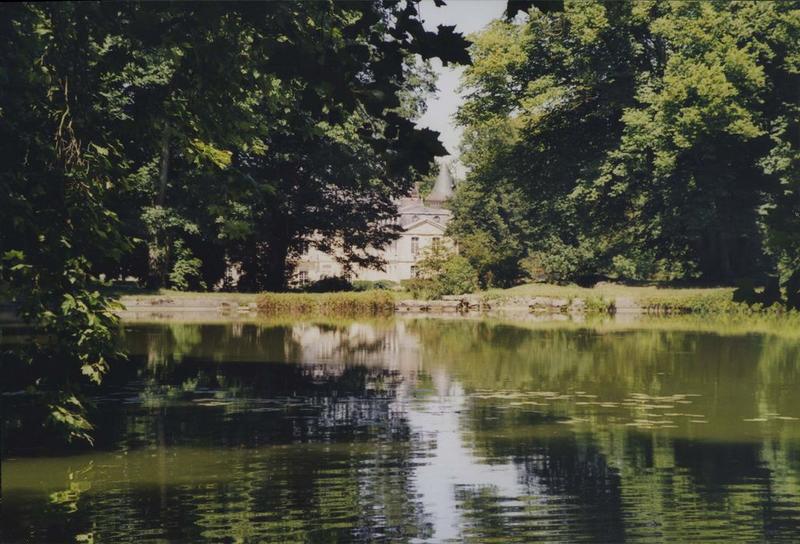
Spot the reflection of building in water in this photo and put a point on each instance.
(423, 222)
(388, 346)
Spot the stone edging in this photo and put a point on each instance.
(544, 305)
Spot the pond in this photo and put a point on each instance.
(418, 430)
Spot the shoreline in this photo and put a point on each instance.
(523, 300)
(780, 325)
(223, 304)
(529, 299)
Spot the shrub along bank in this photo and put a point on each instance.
(375, 302)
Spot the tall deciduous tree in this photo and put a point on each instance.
(312, 133)
(60, 160)
(166, 140)
(655, 138)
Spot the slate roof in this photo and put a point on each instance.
(422, 209)
(415, 212)
(443, 188)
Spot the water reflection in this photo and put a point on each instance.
(428, 430)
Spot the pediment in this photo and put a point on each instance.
(420, 225)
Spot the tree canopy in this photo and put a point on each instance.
(635, 139)
(173, 142)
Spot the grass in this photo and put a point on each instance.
(375, 302)
(650, 298)
(207, 295)
(609, 290)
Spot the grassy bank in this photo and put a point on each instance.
(347, 303)
(652, 299)
(604, 298)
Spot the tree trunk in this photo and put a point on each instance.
(158, 258)
(163, 174)
(793, 291)
(713, 256)
(724, 257)
(158, 253)
(275, 277)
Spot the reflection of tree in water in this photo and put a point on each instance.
(614, 483)
(734, 376)
(247, 450)
(702, 490)
(497, 357)
(169, 343)
(569, 492)
(221, 439)
(720, 479)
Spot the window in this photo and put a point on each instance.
(435, 243)
(436, 218)
(413, 271)
(302, 277)
(414, 245)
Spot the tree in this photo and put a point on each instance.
(693, 160)
(330, 178)
(490, 229)
(60, 162)
(644, 136)
(442, 271)
(322, 144)
(166, 140)
(544, 105)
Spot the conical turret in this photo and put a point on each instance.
(443, 188)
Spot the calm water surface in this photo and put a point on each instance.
(428, 430)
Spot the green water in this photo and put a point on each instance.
(429, 430)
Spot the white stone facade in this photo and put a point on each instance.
(424, 222)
